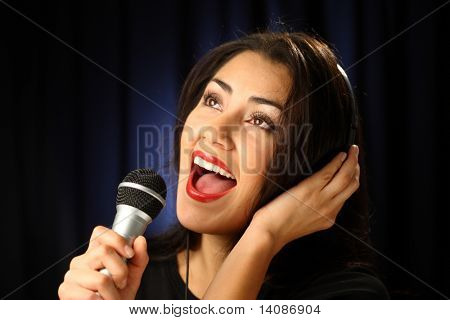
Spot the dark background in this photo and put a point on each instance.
(71, 130)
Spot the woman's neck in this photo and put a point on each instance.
(206, 255)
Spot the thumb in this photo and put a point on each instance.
(137, 264)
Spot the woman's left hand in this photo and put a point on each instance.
(313, 204)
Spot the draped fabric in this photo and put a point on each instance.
(86, 88)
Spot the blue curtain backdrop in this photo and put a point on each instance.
(80, 109)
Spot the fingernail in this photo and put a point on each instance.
(343, 156)
(129, 251)
(357, 150)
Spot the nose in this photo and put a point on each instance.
(217, 134)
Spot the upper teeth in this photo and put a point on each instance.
(212, 167)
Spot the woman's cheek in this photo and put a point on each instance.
(256, 152)
(187, 143)
(193, 128)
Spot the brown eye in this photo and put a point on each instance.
(259, 122)
(262, 120)
(212, 101)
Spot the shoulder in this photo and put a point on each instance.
(351, 283)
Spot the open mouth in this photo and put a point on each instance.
(209, 178)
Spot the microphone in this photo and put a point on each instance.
(140, 197)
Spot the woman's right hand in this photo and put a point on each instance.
(106, 250)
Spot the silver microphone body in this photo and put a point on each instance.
(129, 223)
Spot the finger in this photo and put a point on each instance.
(94, 281)
(72, 291)
(345, 174)
(106, 257)
(351, 188)
(103, 235)
(97, 232)
(324, 175)
(101, 257)
(138, 263)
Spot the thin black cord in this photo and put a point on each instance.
(187, 267)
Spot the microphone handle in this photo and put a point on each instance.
(129, 223)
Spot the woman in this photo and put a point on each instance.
(266, 204)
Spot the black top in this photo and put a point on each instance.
(161, 281)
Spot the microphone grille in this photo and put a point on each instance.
(140, 199)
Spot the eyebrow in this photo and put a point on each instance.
(259, 100)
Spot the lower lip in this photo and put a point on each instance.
(200, 196)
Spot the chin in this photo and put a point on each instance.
(201, 218)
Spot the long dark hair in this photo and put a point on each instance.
(313, 100)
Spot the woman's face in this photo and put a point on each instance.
(230, 131)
